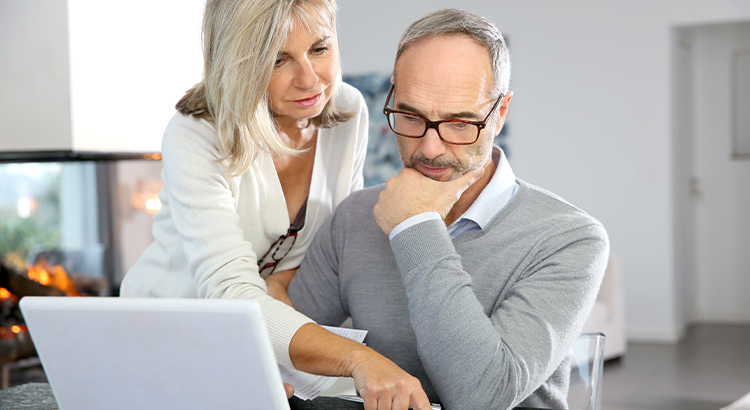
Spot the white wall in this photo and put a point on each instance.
(590, 118)
(130, 63)
(34, 73)
(92, 75)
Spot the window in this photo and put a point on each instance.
(29, 209)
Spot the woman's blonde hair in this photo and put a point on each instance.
(241, 42)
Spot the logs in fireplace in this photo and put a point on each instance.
(16, 346)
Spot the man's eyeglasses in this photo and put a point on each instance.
(278, 250)
(456, 132)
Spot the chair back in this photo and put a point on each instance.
(586, 367)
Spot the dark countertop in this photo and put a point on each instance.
(38, 396)
(31, 396)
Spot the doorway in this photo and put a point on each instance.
(711, 182)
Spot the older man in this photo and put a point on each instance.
(479, 292)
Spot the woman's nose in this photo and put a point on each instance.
(306, 78)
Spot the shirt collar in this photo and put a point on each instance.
(495, 195)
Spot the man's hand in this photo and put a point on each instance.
(383, 385)
(411, 193)
(277, 284)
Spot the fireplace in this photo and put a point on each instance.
(96, 115)
(72, 226)
(17, 351)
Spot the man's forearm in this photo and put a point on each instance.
(447, 317)
(494, 362)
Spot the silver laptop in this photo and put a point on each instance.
(117, 353)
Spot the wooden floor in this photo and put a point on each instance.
(709, 369)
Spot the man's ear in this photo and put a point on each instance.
(503, 111)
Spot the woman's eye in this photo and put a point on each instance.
(278, 62)
(320, 50)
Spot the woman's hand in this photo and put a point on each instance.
(277, 284)
(384, 385)
(381, 383)
(289, 390)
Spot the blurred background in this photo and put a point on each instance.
(635, 111)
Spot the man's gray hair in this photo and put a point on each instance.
(452, 21)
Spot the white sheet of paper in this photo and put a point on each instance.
(357, 335)
(309, 386)
(306, 386)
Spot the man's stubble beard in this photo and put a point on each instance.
(477, 154)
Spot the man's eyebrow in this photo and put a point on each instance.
(461, 114)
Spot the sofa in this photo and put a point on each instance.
(608, 314)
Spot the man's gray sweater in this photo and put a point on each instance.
(483, 320)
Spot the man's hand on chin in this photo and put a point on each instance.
(410, 193)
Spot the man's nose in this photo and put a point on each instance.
(305, 77)
(431, 145)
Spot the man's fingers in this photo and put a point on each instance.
(461, 184)
(406, 170)
(473, 176)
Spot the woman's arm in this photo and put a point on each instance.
(315, 350)
(214, 222)
(278, 283)
(381, 383)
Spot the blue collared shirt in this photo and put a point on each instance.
(498, 192)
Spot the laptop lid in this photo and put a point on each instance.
(122, 353)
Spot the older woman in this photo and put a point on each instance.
(256, 158)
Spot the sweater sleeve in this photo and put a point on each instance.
(480, 361)
(314, 290)
(220, 259)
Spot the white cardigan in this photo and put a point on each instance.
(212, 228)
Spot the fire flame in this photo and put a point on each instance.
(54, 276)
(12, 332)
